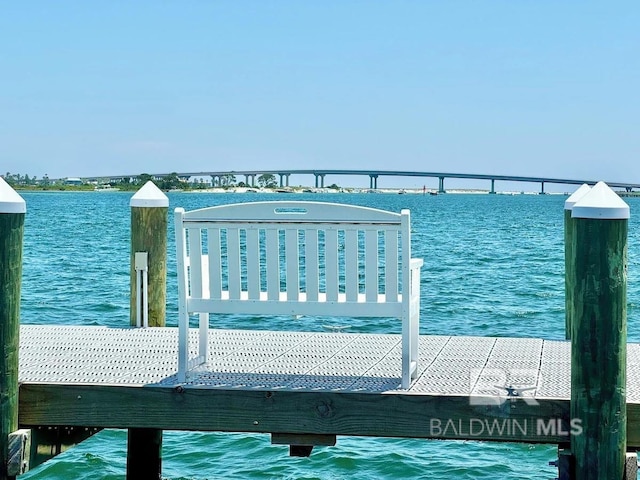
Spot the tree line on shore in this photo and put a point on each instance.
(167, 182)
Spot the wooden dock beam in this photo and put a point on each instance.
(149, 220)
(569, 256)
(12, 213)
(599, 336)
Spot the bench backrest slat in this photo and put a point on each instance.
(351, 264)
(391, 258)
(215, 262)
(292, 264)
(272, 265)
(371, 264)
(312, 266)
(331, 257)
(233, 262)
(253, 264)
(195, 263)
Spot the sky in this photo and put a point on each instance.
(511, 87)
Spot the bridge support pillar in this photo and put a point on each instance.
(322, 181)
(441, 185)
(286, 178)
(316, 179)
(493, 186)
(542, 188)
(281, 175)
(373, 181)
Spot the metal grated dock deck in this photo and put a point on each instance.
(65, 368)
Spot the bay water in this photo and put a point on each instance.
(493, 266)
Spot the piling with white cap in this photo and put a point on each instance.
(569, 257)
(599, 335)
(149, 223)
(12, 213)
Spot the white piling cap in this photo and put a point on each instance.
(10, 201)
(149, 196)
(575, 196)
(601, 203)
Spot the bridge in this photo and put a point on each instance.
(284, 174)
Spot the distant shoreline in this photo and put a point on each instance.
(409, 191)
(300, 190)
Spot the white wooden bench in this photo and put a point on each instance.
(296, 258)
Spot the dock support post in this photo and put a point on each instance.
(564, 463)
(569, 257)
(599, 336)
(144, 454)
(12, 213)
(149, 217)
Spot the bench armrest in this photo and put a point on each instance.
(416, 263)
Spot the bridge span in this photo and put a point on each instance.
(284, 174)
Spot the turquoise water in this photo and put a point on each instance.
(494, 266)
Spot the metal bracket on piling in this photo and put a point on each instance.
(142, 288)
(564, 463)
(301, 445)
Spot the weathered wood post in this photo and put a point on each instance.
(569, 255)
(149, 217)
(599, 336)
(12, 213)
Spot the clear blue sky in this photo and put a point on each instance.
(544, 88)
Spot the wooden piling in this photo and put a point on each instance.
(599, 336)
(569, 255)
(149, 217)
(144, 454)
(12, 213)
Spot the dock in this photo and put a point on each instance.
(304, 383)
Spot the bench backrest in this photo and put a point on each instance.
(300, 258)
